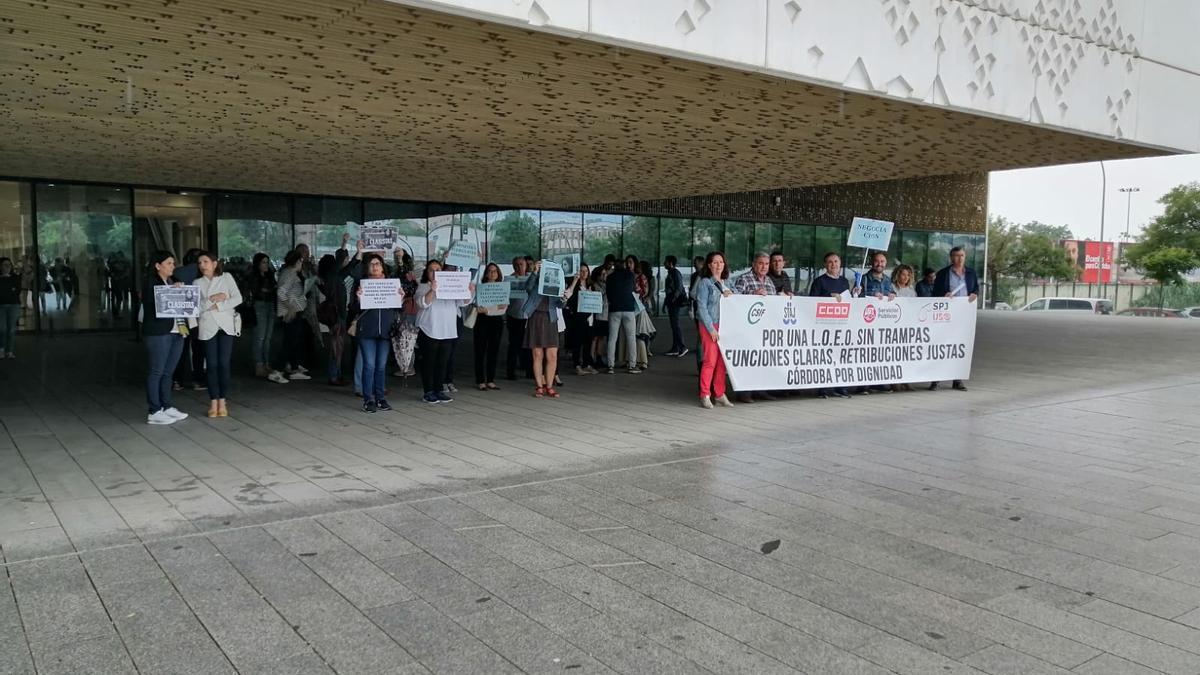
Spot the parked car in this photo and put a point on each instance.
(1193, 312)
(1002, 306)
(1154, 311)
(1093, 305)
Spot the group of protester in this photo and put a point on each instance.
(317, 306)
(767, 276)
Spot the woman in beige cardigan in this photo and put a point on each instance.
(219, 325)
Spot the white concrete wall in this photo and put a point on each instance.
(1123, 69)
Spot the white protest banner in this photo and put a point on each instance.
(176, 302)
(590, 302)
(379, 238)
(463, 254)
(775, 342)
(492, 294)
(453, 285)
(551, 281)
(870, 233)
(380, 294)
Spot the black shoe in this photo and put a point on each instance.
(382, 404)
(959, 385)
(369, 407)
(933, 386)
(822, 395)
(841, 393)
(765, 396)
(745, 398)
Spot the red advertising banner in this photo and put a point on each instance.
(1094, 258)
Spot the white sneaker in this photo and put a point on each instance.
(706, 403)
(451, 388)
(302, 370)
(723, 401)
(175, 413)
(160, 418)
(277, 376)
(298, 376)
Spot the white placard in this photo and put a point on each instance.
(776, 342)
(463, 254)
(380, 294)
(551, 280)
(870, 233)
(453, 285)
(176, 302)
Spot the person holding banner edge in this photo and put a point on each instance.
(709, 291)
(956, 280)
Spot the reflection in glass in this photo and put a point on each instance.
(16, 244)
(798, 241)
(914, 245)
(511, 234)
(248, 224)
(940, 244)
(675, 239)
(707, 235)
(739, 242)
(832, 239)
(768, 237)
(639, 237)
(408, 219)
(562, 238)
(321, 222)
(471, 227)
(601, 236)
(83, 231)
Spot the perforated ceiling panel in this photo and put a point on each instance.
(372, 98)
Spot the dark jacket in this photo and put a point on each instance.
(677, 295)
(619, 288)
(262, 286)
(824, 286)
(372, 323)
(10, 290)
(924, 290)
(151, 324)
(941, 284)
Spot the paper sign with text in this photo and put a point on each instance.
(591, 302)
(869, 233)
(379, 238)
(171, 302)
(380, 294)
(453, 285)
(464, 255)
(551, 282)
(492, 294)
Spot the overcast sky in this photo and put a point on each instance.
(1070, 194)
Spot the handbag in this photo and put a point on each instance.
(469, 319)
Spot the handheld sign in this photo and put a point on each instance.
(492, 294)
(171, 302)
(569, 263)
(590, 302)
(453, 285)
(378, 238)
(551, 282)
(517, 287)
(870, 233)
(380, 294)
(463, 254)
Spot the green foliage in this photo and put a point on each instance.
(1051, 232)
(1177, 296)
(1024, 251)
(1170, 245)
(514, 234)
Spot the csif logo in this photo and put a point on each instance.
(757, 311)
(838, 311)
(789, 314)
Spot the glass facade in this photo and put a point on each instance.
(79, 248)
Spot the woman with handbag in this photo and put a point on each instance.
(219, 325)
(373, 330)
(488, 326)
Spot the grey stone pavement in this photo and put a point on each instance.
(1046, 521)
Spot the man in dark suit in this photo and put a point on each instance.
(956, 280)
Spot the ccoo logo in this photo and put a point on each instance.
(833, 310)
(757, 311)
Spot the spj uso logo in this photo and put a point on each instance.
(935, 312)
(757, 311)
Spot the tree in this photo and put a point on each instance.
(1170, 246)
(514, 234)
(1025, 251)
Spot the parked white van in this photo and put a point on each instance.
(1093, 305)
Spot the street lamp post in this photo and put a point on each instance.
(1128, 206)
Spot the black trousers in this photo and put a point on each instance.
(488, 330)
(435, 356)
(292, 350)
(580, 340)
(516, 349)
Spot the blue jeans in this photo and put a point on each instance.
(358, 369)
(9, 314)
(162, 353)
(218, 352)
(374, 378)
(264, 329)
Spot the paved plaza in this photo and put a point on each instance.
(1046, 521)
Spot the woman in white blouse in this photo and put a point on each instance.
(437, 321)
(219, 325)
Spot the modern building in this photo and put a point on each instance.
(552, 126)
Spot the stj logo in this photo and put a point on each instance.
(789, 314)
(833, 310)
(757, 311)
(869, 313)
